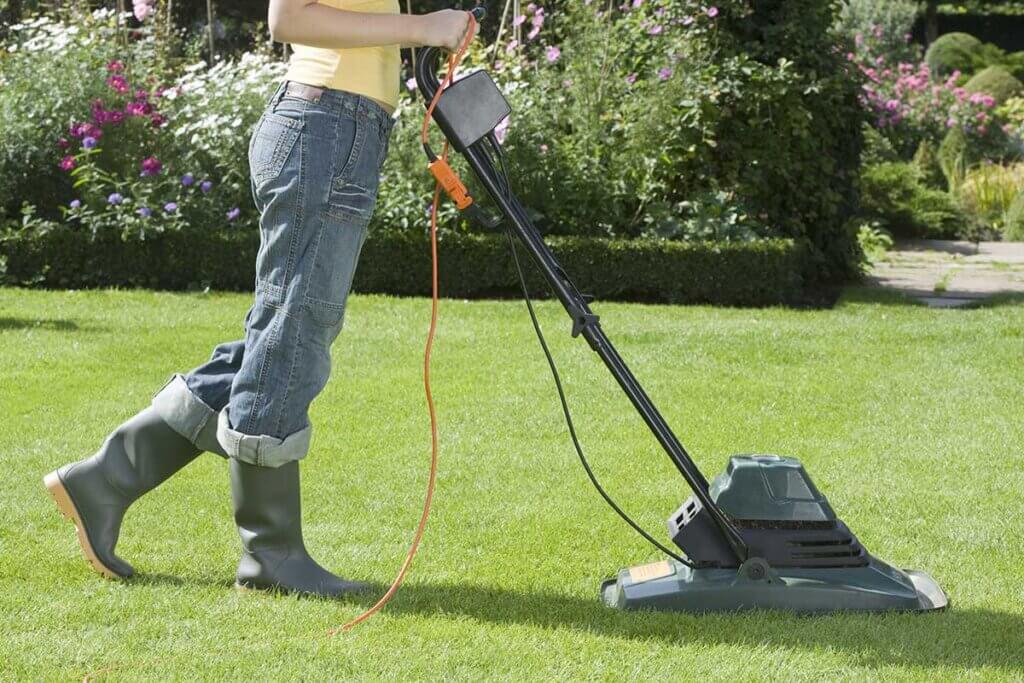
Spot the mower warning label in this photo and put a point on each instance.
(649, 572)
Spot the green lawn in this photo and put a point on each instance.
(909, 419)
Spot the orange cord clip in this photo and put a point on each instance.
(450, 183)
(446, 178)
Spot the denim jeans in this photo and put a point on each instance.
(315, 169)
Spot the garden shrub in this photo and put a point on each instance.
(46, 80)
(1013, 228)
(908, 105)
(955, 52)
(398, 262)
(926, 159)
(893, 195)
(995, 81)
(961, 151)
(877, 147)
(988, 191)
(887, 23)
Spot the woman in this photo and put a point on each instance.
(315, 158)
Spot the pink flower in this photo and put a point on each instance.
(712, 12)
(631, 78)
(533, 33)
(518, 21)
(411, 84)
(982, 130)
(67, 163)
(143, 9)
(687, 21)
(655, 30)
(512, 46)
(158, 120)
(150, 166)
(115, 66)
(63, 143)
(553, 54)
(665, 73)
(502, 130)
(118, 83)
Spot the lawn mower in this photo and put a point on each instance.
(758, 536)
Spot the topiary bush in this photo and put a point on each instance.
(995, 81)
(954, 52)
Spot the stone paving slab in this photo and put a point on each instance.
(948, 274)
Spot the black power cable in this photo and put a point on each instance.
(558, 380)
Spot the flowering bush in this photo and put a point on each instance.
(886, 23)
(142, 157)
(44, 57)
(910, 106)
(119, 181)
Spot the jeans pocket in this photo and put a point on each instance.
(272, 143)
(353, 193)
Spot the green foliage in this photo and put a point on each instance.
(886, 22)
(1013, 228)
(995, 81)
(764, 140)
(893, 195)
(955, 155)
(926, 159)
(47, 79)
(878, 148)
(955, 52)
(398, 262)
(874, 241)
(988, 192)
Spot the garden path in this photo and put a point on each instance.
(948, 274)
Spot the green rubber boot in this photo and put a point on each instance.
(274, 557)
(95, 493)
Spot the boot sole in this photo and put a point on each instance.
(281, 590)
(67, 508)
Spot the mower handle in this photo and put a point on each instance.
(426, 62)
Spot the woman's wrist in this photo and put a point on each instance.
(413, 29)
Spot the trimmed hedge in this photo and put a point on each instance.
(472, 266)
(995, 81)
(954, 52)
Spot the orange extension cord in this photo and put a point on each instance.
(453, 63)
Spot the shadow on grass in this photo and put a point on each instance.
(953, 638)
(880, 296)
(40, 323)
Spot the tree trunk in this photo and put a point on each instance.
(209, 23)
(931, 22)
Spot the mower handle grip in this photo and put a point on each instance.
(426, 62)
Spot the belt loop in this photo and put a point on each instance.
(278, 94)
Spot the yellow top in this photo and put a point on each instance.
(370, 71)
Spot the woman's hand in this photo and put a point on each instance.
(446, 28)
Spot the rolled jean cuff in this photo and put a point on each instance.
(185, 413)
(262, 450)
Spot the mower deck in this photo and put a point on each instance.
(670, 586)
